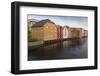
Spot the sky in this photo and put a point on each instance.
(71, 21)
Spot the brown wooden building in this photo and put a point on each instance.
(44, 30)
(73, 33)
(77, 32)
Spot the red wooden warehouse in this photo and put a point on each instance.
(59, 32)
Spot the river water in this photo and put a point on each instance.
(69, 49)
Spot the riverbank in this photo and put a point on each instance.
(49, 41)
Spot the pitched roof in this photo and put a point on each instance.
(66, 26)
(42, 22)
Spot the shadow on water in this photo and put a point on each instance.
(69, 49)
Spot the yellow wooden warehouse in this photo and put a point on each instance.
(44, 30)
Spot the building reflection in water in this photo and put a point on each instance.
(69, 49)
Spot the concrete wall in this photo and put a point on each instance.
(35, 43)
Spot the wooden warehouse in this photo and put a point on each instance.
(82, 32)
(74, 32)
(47, 31)
(85, 33)
(65, 32)
(44, 30)
(77, 32)
(59, 32)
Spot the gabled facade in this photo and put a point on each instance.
(74, 33)
(65, 32)
(44, 30)
(59, 32)
(50, 31)
(82, 32)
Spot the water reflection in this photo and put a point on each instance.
(70, 49)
